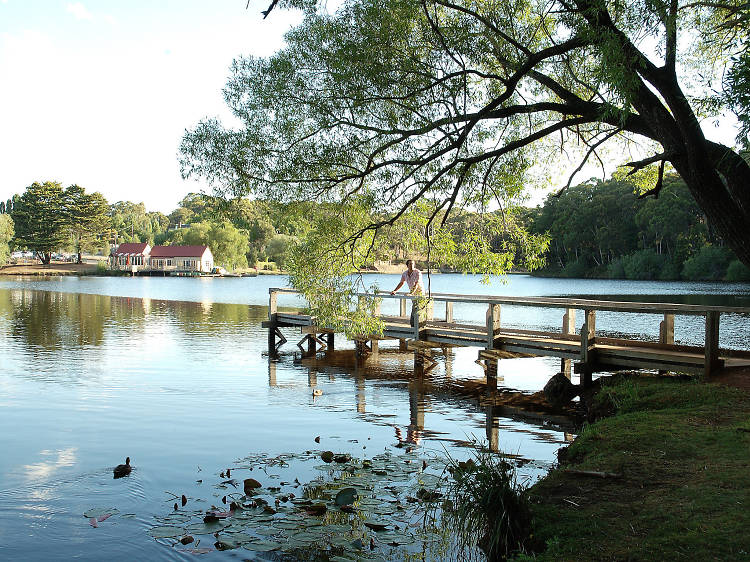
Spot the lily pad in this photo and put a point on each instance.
(346, 496)
(166, 531)
(376, 525)
(97, 512)
(262, 546)
(327, 456)
(206, 528)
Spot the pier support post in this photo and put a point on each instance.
(491, 374)
(711, 361)
(568, 327)
(402, 307)
(330, 337)
(271, 339)
(403, 345)
(311, 348)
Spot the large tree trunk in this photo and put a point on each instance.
(723, 196)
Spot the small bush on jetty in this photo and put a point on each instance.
(486, 505)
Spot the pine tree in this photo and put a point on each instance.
(39, 218)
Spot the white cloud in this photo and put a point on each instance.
(79, 11)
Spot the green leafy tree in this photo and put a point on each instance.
(279, 247)
(87, 217)
(40, 219)
(132, 223)
(453, 100)
(6, 235)
(228, 245)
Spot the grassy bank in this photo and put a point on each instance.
(679, 457)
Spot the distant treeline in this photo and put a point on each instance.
(602, 229)
(597, 229)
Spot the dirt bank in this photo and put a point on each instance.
(51, 269)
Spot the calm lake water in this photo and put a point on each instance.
(172, 372)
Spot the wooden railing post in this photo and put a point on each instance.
(588, 335)
(448, 312)
(402, 307)
(666, 333)
(666, 329)
(415, 313)
(272, 304)
(712, 342)
(568, 327)
(272, 310)
(493, 323)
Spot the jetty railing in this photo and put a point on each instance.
(589, 351)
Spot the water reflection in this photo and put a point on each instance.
(183, 389)
(429, 394)
(47, 468)
(53, 321)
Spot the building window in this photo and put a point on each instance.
(169, 263)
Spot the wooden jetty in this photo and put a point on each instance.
(585, 351)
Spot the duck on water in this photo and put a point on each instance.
(123, 469)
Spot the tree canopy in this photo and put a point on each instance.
(40, 219)
(87, 216)
(450, 102)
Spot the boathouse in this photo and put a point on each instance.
(181, 259)
(140, 257)
(131, 255)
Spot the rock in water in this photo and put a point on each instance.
(250, 485)
(559, 390)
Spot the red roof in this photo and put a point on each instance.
(131, 248)
(178, 251)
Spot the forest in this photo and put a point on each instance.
(594, 229)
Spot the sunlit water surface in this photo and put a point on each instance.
(172, 373)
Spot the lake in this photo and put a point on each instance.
(172, 373)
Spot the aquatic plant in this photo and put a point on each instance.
(487, 506)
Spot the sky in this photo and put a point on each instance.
(99, 92)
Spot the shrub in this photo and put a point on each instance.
(709, 264)
(575, 269)
(738, 271)
(644, 264)
(670, 271)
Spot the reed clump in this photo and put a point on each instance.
(487, 506)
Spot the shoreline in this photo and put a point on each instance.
(660, 469)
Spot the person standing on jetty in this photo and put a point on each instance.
(413, 278)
